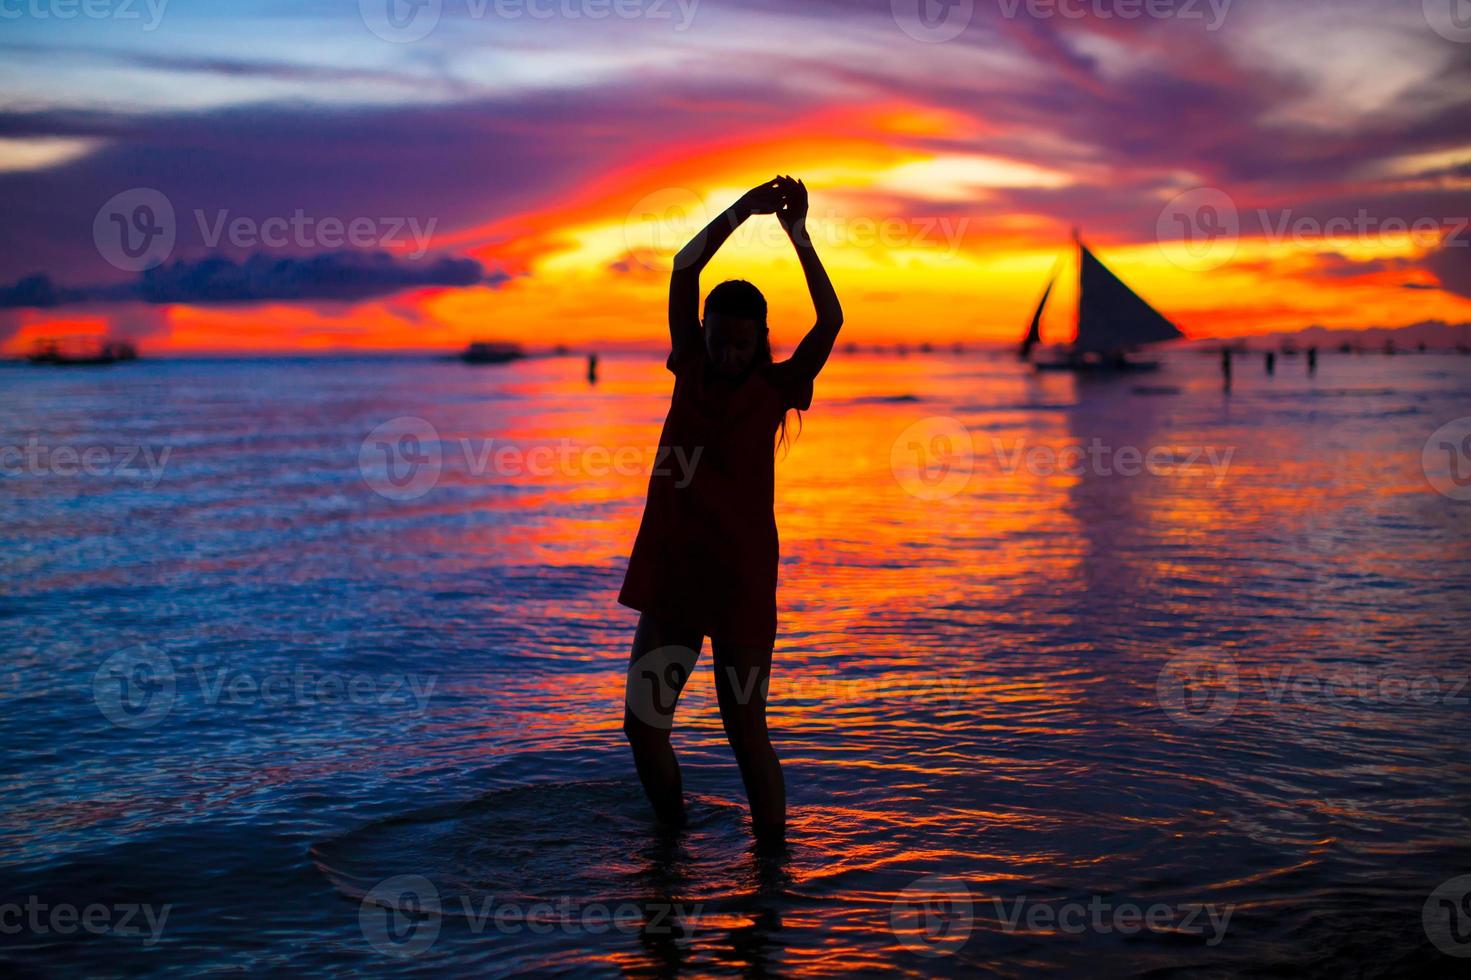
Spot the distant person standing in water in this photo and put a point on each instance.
(705, 559)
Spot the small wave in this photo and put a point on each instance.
(1329, 393)
(591, 841)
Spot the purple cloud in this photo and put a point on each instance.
(1451, 265)
(332, 276)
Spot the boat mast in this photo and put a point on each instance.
(1078, 306)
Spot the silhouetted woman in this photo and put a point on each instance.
(705, 559)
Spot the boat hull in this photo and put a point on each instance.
(491, 352)
(490, 358)
(1098, 367)
(73, 361)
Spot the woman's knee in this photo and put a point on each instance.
(640, 734)
(748, 735)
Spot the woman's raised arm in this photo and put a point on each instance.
(684, 281)
(812, 353)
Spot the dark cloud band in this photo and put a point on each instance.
(345, 276)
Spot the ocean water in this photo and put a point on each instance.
(314, 666)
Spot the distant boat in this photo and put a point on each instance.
(81, 352)
(1112, 321)
(491, 352)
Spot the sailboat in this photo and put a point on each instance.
(1112, 320)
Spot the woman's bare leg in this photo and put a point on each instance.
(742, 674)
(663, 657)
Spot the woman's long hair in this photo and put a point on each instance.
(737, 297)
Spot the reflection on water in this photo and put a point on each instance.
(1046, 646)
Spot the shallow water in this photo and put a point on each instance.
(256, 684)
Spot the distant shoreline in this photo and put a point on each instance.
(1436, 335)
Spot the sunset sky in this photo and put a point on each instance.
(529, 166)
